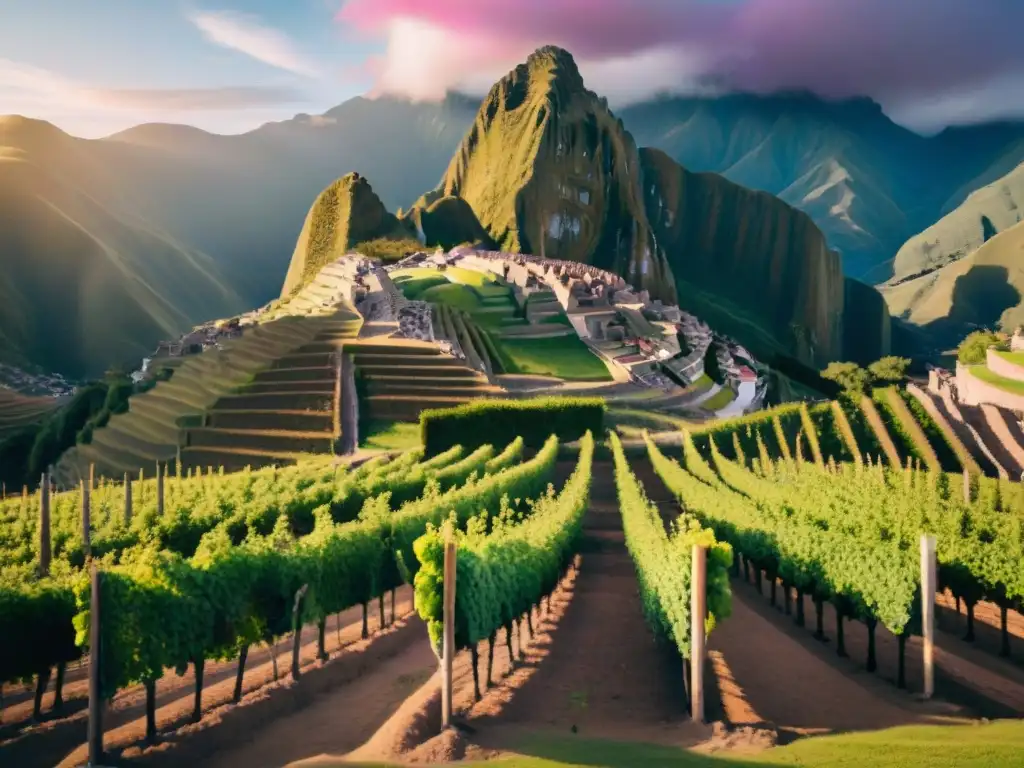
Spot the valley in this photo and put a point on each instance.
(511, 431)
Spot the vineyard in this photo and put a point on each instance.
(207, 572)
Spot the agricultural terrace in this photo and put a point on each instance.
(285, 594)
(483, 307)
(18, 411)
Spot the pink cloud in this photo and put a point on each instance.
(896, 51)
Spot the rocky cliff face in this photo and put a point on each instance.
(346, 213)
(765, 258)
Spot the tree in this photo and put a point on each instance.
(889, 370)
(850, 376)
(974, 349)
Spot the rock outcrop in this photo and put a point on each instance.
(346, 213)
(549, 170)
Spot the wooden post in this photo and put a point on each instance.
(127, 499)
(448, 639)
(297, 629)
(86, 520)
(44, 525)
(967, 486)
(95, 735)
(159, 491)
(337, 394)
(92, 476)
(928, 611)
(698, 611)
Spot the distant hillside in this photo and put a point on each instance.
(84, 281)
(982, 289)
(108, 246)
(982, 215)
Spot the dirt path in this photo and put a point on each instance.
(48, 743)
(767, 675)
(988, 637)
(337, 721)
(599, 668)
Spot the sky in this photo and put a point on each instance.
(228, 66)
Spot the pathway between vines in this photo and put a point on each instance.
(598, 668)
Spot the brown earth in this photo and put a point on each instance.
(49, 742)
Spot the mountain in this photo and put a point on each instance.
(348, 212)
(85, 280)
(233, 206)
(965, 271)
(983, 214)
(867, 183)
(108, 246)
(983, 289)
(546, 168)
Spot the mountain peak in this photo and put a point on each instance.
(546, 70)
(28, 133)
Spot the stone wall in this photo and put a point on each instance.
(973, 391)
(1003, 367)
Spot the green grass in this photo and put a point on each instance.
(640, 419)
(474, 278)
(719, 400)
(390, 436)
(455, 296)
(414, 287)
(992, 745)
(1013, 386)
(565, 357)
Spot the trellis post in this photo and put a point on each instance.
(448, 639)
(698, 612)
(928, 612)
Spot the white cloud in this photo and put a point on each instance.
(247, 34)
(996, 99)
(423, 61)
(36, 92)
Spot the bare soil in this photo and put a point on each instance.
(987, 622)
(63, 738)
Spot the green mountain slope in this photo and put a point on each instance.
(983, 214)
(548, 169)
(346, 213)
(984, 288)
(84, 282)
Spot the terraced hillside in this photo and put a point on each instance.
(260, 399)
(399, 378)
(18, 411)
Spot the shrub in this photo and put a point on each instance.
(499, 422)
(974, 349)
(389, 250)
(889, 370)
(850, 376)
